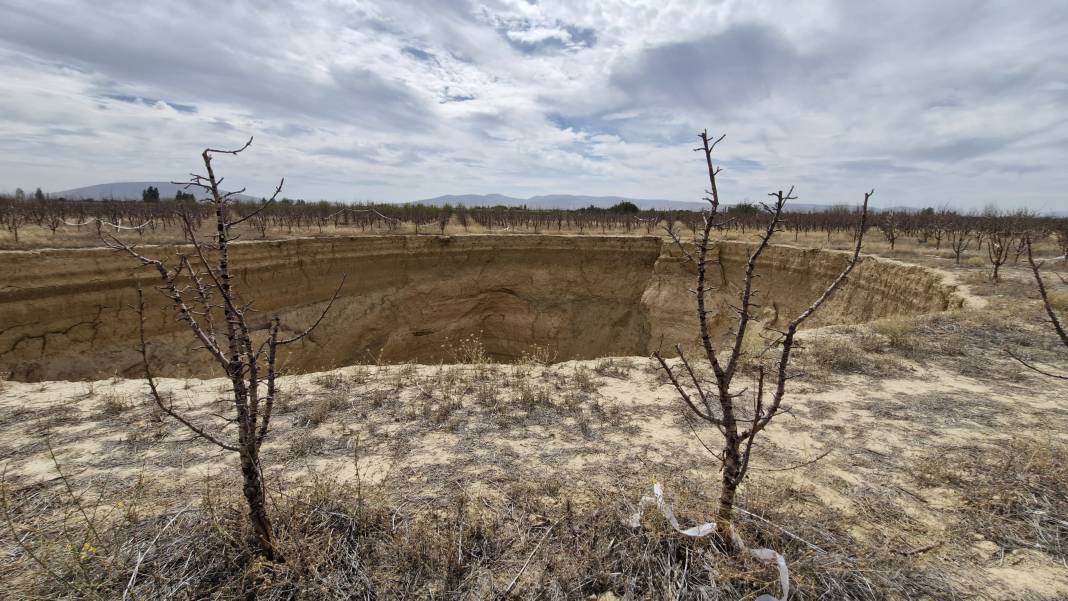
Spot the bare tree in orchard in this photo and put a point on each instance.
(740, 415)
(998, 246)
(200, 290)
(959, 236)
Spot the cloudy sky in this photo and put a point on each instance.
(932, 103)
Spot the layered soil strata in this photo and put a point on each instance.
(67, 314)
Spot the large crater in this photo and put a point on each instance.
(66, 314)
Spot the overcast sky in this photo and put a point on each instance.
(942, 102)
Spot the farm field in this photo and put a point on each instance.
(507, 419)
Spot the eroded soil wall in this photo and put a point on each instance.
(67, 314)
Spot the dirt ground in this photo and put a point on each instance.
(914, 445)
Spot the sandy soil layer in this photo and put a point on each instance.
(884, 431)
(67, 314)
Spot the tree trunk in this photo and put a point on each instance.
(257, 504)
(725, 514)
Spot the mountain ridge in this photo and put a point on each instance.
(132, 191)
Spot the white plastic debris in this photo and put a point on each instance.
(702, 530)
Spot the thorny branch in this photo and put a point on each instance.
(738, 442)
(192, 288)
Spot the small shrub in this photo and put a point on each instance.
(361, 375)
(532, 395)
(538, 355)
(834, 354)
(614, 368)
(319, 408)
(378, 397)
(468, 349)
(304, 443)
(283, 402)
(113, 405)
(487, 391)
(584, 381)
(331, 381)
(899, 330)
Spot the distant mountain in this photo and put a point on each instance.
(131, 191)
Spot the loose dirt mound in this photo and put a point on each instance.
(66, 314)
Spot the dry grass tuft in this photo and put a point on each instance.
(855, 350)
(1059, 300)
(114, 405)
(584, 380)
(613, 368)
(1015, 495)
(538, 355)
(317, 409)
(331, 381)
(303, 443)
(284, 401)
(343, 541)
(900, 331)
(834, 354)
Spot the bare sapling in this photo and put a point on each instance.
(199, 289)
(959, 236)
(719, 402)
(998, 246)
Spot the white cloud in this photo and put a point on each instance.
(536, 35)
(931, 103)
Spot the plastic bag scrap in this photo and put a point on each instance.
(706, 529)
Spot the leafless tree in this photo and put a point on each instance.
(718, 402)
(199, 288)
(890, 228)
(998, 246)
(959, 236)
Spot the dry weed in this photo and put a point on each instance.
(345, 541)
(613, 368)
(283, 401)
(303, 443)
(331, 381)
(538, 355)
(317, 409)
(833, 354)
(1015, 495)
(1059, 300)
(114, 405)
(900, 332)
(584, 381)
